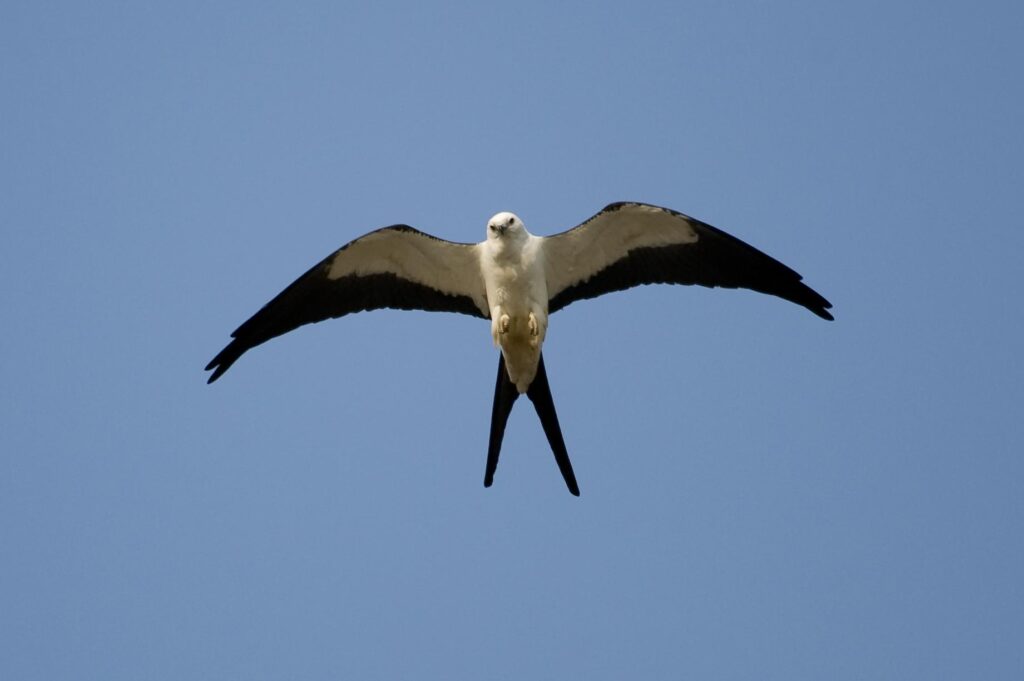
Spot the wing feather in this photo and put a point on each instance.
(393, 267)
(629, 244)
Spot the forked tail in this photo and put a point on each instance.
(539, 392)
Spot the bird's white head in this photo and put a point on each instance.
(505, 225)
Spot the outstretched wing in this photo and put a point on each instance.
(628, 244)
(396, 267)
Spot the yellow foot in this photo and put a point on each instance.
(500, 327)
(534, 327)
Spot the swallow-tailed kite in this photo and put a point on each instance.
(516, 280)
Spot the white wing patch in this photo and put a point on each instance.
(444, 266)
(578, 254)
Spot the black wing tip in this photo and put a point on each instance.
(218, 371)
(223, 361)
(815, 302)
(796, 291)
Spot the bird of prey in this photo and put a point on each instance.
(517, 280)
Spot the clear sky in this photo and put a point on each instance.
(765, 495)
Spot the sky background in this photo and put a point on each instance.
(765, 495)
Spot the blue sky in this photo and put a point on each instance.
(765, 495)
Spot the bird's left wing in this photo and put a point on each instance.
(628, 244)
(393, 267)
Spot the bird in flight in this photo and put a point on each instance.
(517, 280)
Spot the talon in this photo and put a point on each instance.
(534, 327)
(504, 323)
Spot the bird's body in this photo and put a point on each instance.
(515, 280)
(512, 265)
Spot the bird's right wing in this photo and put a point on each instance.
(629, 244)
(393, 267)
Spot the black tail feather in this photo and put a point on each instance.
(505, 395)
(540, 394)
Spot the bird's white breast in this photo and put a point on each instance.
(514, 276)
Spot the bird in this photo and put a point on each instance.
(517, 280)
